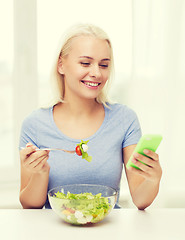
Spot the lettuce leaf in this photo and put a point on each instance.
(84, 154)
(94, 207)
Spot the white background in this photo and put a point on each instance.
(148, 42)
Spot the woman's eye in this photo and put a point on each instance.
(86, 64)
(104, 65)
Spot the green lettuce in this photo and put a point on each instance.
(84, 154)
(93, 208)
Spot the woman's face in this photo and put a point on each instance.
(86, 68)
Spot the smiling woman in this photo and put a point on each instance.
(77, 69)
(81, 110)
(94, 67)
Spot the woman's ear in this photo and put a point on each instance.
(60, 66)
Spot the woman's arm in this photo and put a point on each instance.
(144, 183)
(34, 177)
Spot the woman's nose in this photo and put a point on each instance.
(95, 71)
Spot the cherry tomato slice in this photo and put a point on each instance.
(78, 151)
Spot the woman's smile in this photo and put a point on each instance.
(87, 63)
(90, 84)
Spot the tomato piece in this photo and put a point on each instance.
(78, 151)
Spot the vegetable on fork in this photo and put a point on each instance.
(81, 150)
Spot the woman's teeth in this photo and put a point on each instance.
(91, 84)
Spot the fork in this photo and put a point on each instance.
(57, 149)
(53, 149)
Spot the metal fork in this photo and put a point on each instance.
(54, 149)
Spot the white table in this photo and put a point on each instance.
(120, 224)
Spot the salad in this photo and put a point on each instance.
(81, 150)
(81, 208)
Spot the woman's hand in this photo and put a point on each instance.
(34, 161)
(152, 170)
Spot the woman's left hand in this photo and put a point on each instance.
(152, 170)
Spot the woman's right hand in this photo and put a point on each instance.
(34, 161)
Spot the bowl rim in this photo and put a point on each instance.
(84, 184)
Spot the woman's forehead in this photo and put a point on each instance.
(90, 46)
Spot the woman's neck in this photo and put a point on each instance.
(80, 107)
(79, 119)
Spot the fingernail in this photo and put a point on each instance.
(136, 155)
(134, 160)
(146, 151)
(28, 145)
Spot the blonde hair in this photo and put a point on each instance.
(57, 79)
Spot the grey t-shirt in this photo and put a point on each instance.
(119, 129)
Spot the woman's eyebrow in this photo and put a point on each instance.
(86, 57)
(104, 59)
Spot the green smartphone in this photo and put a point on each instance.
(148, 141)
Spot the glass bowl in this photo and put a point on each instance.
(81, 204)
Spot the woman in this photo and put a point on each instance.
(82, 73)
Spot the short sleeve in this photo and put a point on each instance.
(133, 132)
(28, 131)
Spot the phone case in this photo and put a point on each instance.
(148, 141)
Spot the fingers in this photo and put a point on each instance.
(29, 149)
(33, 159)
(146, 164)
(150, 160)
(143, 166)
(151, 154)
(38, 164)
